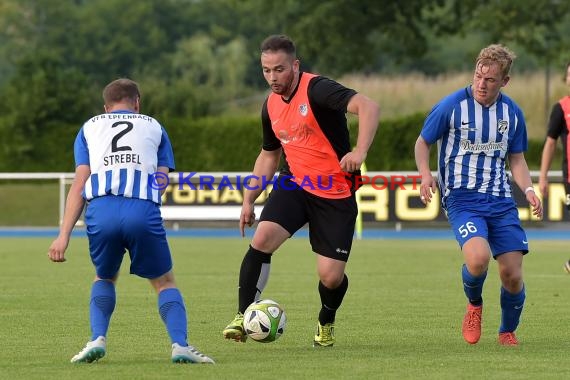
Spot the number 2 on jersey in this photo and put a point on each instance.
(114, 142)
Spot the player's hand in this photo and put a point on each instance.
(427, 188)
(352, 161)
(534, 201)
(56, 251)
(247, 217)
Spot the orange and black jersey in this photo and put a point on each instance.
(312, 129)
(559, 126)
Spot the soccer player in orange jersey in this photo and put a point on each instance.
(304, 121)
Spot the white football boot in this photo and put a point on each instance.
(189, 354)
(92, 351)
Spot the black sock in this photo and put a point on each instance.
(253, 276)
(331, 300)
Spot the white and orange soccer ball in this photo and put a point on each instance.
(264, 321)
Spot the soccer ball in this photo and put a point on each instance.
(567, 266)
(264, 321)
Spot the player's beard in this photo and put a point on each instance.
(285, 88)
(277, 89)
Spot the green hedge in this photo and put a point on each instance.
(534, 153)
(393, 146)
(218, 144)
(232, 144)
(215, 144)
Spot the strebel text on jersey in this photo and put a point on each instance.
(122, 158)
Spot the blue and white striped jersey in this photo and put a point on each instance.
(473, 142)
(124, 150)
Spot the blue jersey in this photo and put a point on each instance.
(123, 150)
(473, 142)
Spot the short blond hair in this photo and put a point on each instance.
(499, 54)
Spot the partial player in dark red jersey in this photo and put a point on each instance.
(304, 122)
(558, 127)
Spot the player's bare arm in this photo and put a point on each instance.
(521, 175)
(368, 113)
(545, 162)
(73, 208)
(427, 185)
(162, 180)
(264, 168)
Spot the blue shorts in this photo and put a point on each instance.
(493, 218)
(116, 224)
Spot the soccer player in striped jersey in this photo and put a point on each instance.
(558, 127)
(478, 129)
(122, 161)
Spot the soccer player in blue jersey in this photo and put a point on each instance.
(122, 161)
(478, 129)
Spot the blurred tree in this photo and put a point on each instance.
(340, 36)
(115, 37)
(25, 26)
(200, 57)
(198, 79)
(536, 25)
(11, 41)
(539, 27)
(43, 97)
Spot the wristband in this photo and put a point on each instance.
(530, 188)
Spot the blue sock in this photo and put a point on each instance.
(473, 286)
(511, 309)
(101, 307)
(173, 314)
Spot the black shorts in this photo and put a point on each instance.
(331, 221)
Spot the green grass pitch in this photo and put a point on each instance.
(401, 318)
